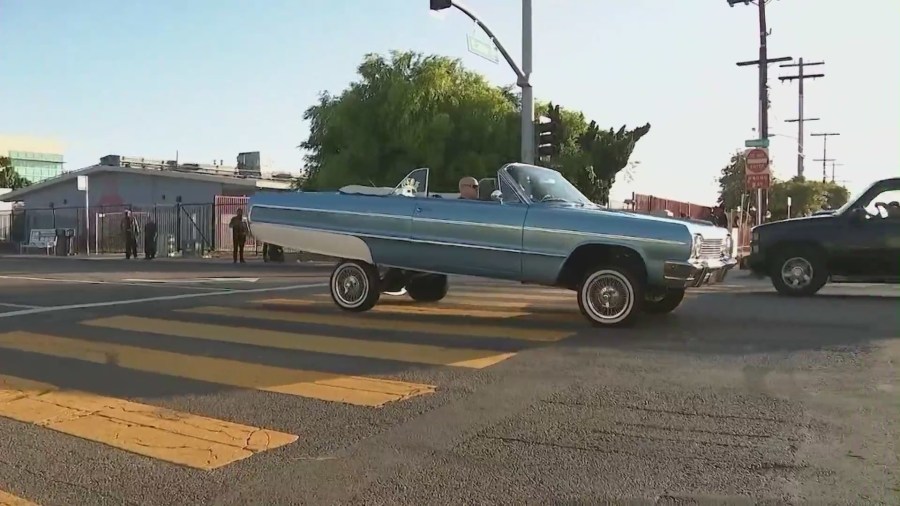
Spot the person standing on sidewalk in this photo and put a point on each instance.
(130, 231)
(150, 239)
(238, 235)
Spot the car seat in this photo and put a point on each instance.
(486, 187)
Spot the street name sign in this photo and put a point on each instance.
(758, 175)
(483, 48)
(756, 143)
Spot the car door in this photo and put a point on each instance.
(470, 237)
(869, 244)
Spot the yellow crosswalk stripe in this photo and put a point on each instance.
(551, 306)
(171, 436)
(402, 352)
(437, 310)
(7, 499)
(566, 296)
(471, 330)
(323, 386)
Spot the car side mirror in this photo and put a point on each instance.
(497, 196)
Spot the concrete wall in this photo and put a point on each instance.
(117, 189)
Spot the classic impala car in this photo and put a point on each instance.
(529, 225)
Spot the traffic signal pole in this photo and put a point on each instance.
(523, 75)
(527, 91)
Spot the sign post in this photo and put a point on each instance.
(758, 176)
(83, 186)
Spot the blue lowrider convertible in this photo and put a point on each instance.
(529, 225)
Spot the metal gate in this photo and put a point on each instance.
(226, 208)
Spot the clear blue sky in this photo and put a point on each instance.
(211, 78)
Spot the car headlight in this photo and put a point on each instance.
(727, 246)
(696, 246)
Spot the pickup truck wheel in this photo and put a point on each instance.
(355, 286)
(798, 272)
(610, 296)
(428, 288)
(665, 302)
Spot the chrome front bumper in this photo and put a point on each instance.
(696, 273)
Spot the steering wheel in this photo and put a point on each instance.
(881, 206)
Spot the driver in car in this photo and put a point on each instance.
(468, 188)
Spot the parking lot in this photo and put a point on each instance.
(167, 382)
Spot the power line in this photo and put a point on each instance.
(800, 77)
(824, 158)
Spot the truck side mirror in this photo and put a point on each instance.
(858, 215)
(497, 196)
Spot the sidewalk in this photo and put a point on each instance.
(219, 259)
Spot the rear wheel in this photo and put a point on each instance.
(355, 286)
(428, 287)
(799, 272)
(665, 301)
(610, 296)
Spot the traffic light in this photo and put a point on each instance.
(549, 133)
(439, 5)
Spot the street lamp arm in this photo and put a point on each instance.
(522, 78)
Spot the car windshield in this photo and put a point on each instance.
(541, 184)
(853, 199)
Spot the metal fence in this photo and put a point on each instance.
(649, 203)
(186, 228)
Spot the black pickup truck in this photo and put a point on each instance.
(858, 243)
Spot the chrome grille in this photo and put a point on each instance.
(711, 248)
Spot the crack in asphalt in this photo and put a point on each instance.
(679, 412)
(595, 449)
(706, 431)
(44, 477)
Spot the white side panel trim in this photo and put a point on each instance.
(313, 241)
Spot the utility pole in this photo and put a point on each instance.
(800, 119)
(523, 75)
(763, 64)
(824, 161)
(824, 158)
(832, 169)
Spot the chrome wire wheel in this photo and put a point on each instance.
(350, 286)
(797, 273)
(608, 296)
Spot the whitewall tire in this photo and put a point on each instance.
(610, 296)
(355, 286)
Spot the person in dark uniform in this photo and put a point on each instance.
(150, 239)
(130, 231)
(238, 235)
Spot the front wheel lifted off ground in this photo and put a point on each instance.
(355, 286)
(610, 296)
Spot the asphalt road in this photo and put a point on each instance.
(175, 382)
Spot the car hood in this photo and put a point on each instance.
(806, 221)
(707, 231)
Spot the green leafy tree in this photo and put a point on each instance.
(806, 197)
(9, 178)
(731, 182)
(406, 112)
(410, 111)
